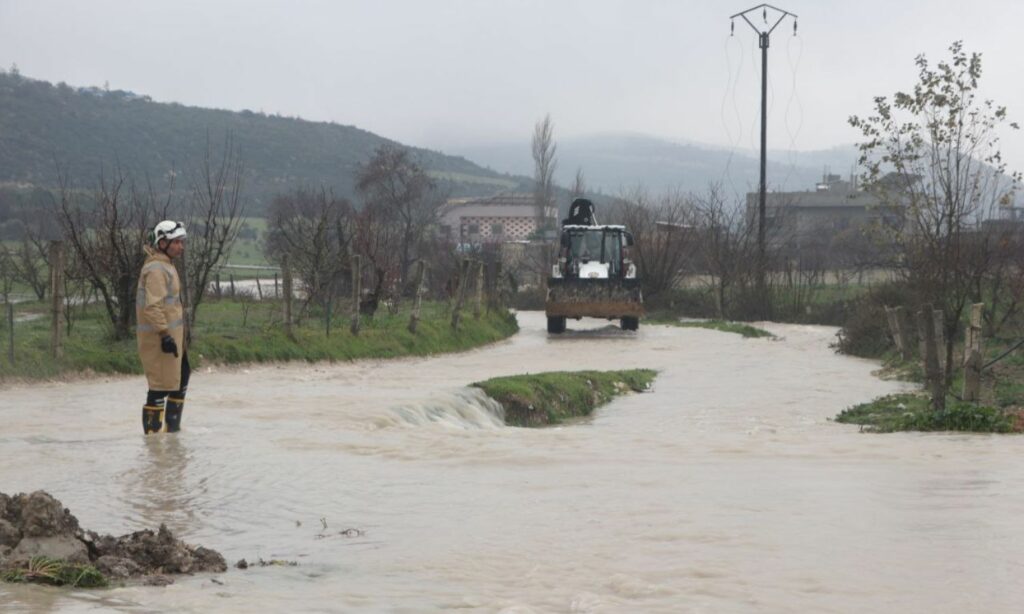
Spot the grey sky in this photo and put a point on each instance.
(443, 72)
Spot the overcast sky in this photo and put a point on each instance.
(438, 73)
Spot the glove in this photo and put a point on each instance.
(168, 346)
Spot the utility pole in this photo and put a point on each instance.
(763, 39)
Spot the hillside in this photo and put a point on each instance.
(616, 162)
(89, 129)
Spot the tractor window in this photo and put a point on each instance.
(597, 245)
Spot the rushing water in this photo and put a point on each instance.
(397, 489)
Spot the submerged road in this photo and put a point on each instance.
(724, 489)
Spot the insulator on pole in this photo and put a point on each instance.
(732, 28)
(764, 14)
(794, 27)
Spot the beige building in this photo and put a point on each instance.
(510, 216)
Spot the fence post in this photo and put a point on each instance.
(259, 289)
(56, 299)
(494, 298)
(286, 274)
(357, 280)
(231, 280)
(330, 301)
(460, 293)
(276, 293)
(903, 325)
(940, 344)
(972, 355)
(414, 318)
(478, 306)
(10, 330)
(933, 376)
(894, 328)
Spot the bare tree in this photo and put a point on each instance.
(397, 191)
(315, 230)
(544, 164)
(214, 217)
(664, 241)
(30, 266)
(941, 141)
(579, 185)
(727, 247)
(106, 232)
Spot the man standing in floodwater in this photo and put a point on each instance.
(161, 329)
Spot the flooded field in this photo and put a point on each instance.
(397, 489)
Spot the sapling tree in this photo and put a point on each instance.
(932, 156)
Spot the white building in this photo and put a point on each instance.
(510, 216)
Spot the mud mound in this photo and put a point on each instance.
(36, 527)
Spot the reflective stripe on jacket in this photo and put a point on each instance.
(158, 312)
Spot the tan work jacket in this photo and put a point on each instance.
(158, 312)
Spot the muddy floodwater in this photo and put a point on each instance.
(397, 489)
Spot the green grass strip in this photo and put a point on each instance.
(913, 412)
(724, 326)
(549, 398)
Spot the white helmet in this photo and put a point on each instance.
(167, 229)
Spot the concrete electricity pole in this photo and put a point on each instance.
(763, 36)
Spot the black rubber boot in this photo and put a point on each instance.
(152, 418)
(174, 408)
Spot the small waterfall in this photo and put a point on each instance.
(466, 408)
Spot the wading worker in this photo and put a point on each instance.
(161, 329)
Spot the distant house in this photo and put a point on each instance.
(510, 216)
(832, 207)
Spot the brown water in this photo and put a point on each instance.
(724, 489)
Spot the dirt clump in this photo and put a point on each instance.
(36, 526)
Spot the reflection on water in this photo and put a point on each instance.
(157, 488)
(726, 488)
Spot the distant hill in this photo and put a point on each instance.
(612, 163)
(86, 129)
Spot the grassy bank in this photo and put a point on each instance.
(549, 398)
(724, 326)
(233, 332)
(913, 412)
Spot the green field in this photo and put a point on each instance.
(242, 332)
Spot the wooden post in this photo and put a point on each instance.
(894, 328)
(56, 299)
(231, 280)
(276, 293)
(357, 291)
(414, 318)
(460, 293)
(286, 274)
(972, 355)
(10, 331)
(903, 328)
(495, 299)
(327, 324)
(940, 344)
(259, 289)
(217, 284)
(478, 305)
(933, 376)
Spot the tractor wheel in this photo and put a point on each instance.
(556, 324)
(630, 323)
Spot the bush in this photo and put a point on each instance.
(865, 332)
